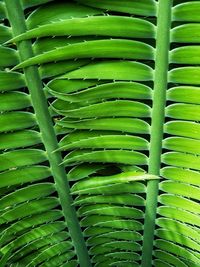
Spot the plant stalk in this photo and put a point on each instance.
(158, 119)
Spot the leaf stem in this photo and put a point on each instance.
(158, 118)
(34, 84)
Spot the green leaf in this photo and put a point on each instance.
(113, 26)
(179, 202)
(183, 128)
(185, 55)
(180, 189)
(143, 7)
(184, 94)
(54, 69)
(24, 175)
(175, 249)
(9, 57)
(179, 214)
(183, 12)
(26, 194)
(114, 210)
(94, 49)
(54, 12)
(111, 156)
(182, 145)
(105, 141)
(116, 124)
(128, 199)
(169, 258)
(5, 34)
(98, 181)
(14, 101)
(120, 108)
(124, 70)
(21, 157)
(19, 120)
(181, 160)
(27, 209)
(179, 174)
(11, 81)
(19, 139)
(186, 33)
(106, 91)
(179, 227)
(184, 111)
(185, 75)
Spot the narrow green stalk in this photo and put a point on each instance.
(158, 117)
(34, 84)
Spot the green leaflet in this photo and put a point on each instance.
(179, 174)
(112, 141)
(19, 139)
(112, 189)
(182, 189)
(35, 233)
(11, 81)
(113, 26)
(126, 177)
(182, 145)
(179, 202)
(183, 128)
(28, 223)
(107, 247)
(183, 111)
(167, 257)
(112, 222)
(181, 160)
(16, 121)
(175, 249)
(83, 170)
(128, 199)
(186, 33)
(120, 108)
(106, 91)
(116, 124)
(24, 175)
(179, 214)
(185, 75)
(110, 156)
(183, 12)
(26, 194)
(14, 101)
(124, 70)
(21, 157)
(27, 209)
(113, 210)
(52, 42)
(50, 252)
(55, 69)
(185, 55)
(5, 34)
(178, 227)
(54, 12)
(2, 10)
(54, 261)
(39, 243)
(184, 94)
(9, 57)
(116, 235)
(144, 7)
(94, 49)
(160, 263)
